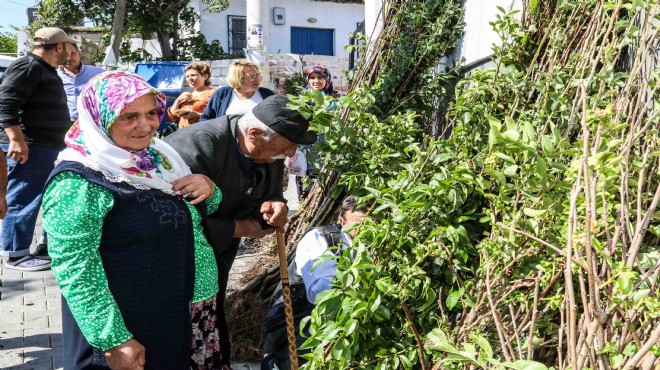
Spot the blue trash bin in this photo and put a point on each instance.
(168, 77)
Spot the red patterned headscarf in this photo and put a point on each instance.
(323, 71)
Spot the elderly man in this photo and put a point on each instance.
(75, 74)
(33, 121)
(308, 279)
(244, 156)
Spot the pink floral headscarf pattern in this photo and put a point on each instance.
(89, 142)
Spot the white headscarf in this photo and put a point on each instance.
(89, 142)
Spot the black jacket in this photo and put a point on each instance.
(210, 148)
(32, 95)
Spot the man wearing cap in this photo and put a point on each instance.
(244, 156)
(33, 121)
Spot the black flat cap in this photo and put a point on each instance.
(273, 113)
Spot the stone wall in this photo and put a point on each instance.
(283, 67)
(87, 50)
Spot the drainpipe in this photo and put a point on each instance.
(257, 22)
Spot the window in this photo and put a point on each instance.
(237, 34)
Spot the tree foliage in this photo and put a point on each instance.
(8, 42)
(144, 18)
(528, 239)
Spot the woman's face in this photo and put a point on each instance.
(316, 81)
(195, 79)
(251, 79)
(136, 125)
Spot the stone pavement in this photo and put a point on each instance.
(31, 318)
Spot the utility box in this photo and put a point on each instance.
(168, 77)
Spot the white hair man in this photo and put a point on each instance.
(244, 156)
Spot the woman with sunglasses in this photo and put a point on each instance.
(242, 94)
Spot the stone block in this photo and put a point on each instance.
(36, 363)
(11, 339)
(40, 337)
(35, 302)
(11, 298)
(39, 323)
(11, 316)
(55, 321)
(9, 359)
(6, 273)
(54, 304)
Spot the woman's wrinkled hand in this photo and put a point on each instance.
(196, 188)
(126, 356)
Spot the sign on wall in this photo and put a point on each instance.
(255, 36)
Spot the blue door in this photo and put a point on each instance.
(312, 41)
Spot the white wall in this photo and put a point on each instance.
(479, 36)
(215, 25)
(343, 18)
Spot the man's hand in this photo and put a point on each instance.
(250, 228)
(18, 149)
(275, 213)
(3, 186)
(126, 356)
(3, 206)
(199, 187)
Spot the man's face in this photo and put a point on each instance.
(352, 218)
(278, 147)
(63, 52)
(73, 61)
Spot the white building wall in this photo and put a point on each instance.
(343, 18)
(215, 26)
(479, 36)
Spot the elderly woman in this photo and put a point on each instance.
(242, 94)
(189, 106)
(126, 244)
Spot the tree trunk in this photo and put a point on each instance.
(164, 41)
(175, 38)
(117, 30)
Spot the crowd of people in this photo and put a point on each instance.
(141, 233)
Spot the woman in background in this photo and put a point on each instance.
(319, 79)
(242, 94)
(189, 106)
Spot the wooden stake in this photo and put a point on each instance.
(286, 295)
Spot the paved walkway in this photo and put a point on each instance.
(31, 318)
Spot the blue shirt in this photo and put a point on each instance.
(316, 278)
(73, 85)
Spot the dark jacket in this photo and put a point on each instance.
(32, 95)
(221, 99)
(211, 148)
